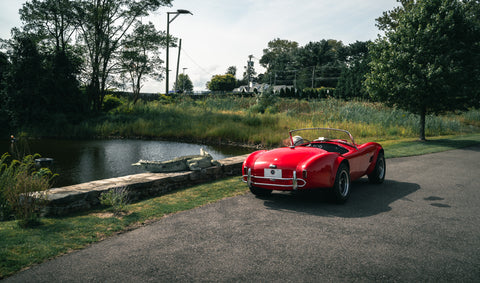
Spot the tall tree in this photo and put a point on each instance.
(102, 26)
(351, 82)
(52, 24)
(4, 70)
(52, 19)
(428, 61)
(140, 56)
(184, 84)
(279, 60)
(25, 81)
(249, 76)
(317, 63)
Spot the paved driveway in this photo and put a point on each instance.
(422, 224)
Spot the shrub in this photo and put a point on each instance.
(472, 117)
(265, 100)
(23, 189)
(111, 102)
(318, 93)
(117, 198)
(5, 181)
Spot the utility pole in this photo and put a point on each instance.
(249, 70)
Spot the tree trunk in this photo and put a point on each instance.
(423, 112)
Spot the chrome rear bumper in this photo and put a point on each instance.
(252, 181)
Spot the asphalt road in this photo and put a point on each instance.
(421, 224)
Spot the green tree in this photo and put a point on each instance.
(140, 56)
(279, 60)
(24, 82)
(52, 24)
(62, 88)
(40, 85)
(428, 60)
(249, 76)
(232, 70)
(4, 70)
(222, 83)
(317, 64)
(52, 19)
(102, 25)
(351, 82)
(184, 84)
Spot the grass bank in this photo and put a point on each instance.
(233, 119)
(411, 147)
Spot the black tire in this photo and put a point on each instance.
(378, 174)
(341, 187)
(260, 192)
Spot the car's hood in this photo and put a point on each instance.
(286, 157)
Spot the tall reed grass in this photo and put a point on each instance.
(231, 119)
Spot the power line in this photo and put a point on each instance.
(193, 61)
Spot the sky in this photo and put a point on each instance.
(223, 33)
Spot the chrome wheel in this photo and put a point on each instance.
(344, 183)
(378, 174)
(381, 168)
(341, 187)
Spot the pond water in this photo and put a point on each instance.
(79, 161)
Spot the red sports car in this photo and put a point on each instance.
(316, 158)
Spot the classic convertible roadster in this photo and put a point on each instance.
(315, 158)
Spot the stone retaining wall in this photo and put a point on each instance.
(85, 196)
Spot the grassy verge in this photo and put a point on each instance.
(20, 248)
(411, 147)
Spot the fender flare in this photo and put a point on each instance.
(374, 159)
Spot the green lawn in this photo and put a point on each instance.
(436, 144)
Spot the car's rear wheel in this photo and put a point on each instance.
(378, 174)
(341, 187)
(260, 191)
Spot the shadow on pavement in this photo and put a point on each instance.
(365, 200)
(456, 144)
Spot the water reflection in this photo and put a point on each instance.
(83, 161)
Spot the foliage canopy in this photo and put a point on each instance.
(428, 62)
(225, 82)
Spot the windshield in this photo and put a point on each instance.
(302, 136)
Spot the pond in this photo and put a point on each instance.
(79, 161)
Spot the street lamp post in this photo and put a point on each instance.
(178, 12)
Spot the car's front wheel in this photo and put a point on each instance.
(341, 187)
(260, 191)
(378, 174)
